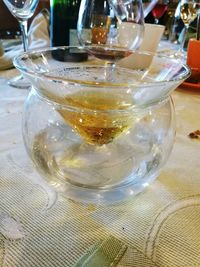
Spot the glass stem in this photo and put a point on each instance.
(24, 29)
(109, 73)
(184, 38)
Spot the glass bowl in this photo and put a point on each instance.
(99, 133)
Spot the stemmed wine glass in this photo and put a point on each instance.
(159, 10)
(110, 30)
(188, 12)
(22, 10)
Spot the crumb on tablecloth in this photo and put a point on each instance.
(195, 134)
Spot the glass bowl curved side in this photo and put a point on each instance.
(97, 173)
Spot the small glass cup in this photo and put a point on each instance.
(94, 138)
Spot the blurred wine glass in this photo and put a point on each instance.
(159, 10)
(110, 30)
(188, 12)
(22, 10)
(148, 6)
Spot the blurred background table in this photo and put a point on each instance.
(160, 226)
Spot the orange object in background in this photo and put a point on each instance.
(193, 60)
(193, 54)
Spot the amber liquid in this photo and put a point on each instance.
(108, 53)
(188, 12)
(99, 35)
(96, 117)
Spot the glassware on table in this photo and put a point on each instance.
(22, 10)
(96, 140)
(188, 13)
(148, 6)
(109, 30)
(159, 10)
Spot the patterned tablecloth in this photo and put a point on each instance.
(161, 226)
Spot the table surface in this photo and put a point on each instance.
(161, 226)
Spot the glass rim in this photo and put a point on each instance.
(39, 75)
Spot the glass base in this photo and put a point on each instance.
(96, 174)
(19, 82)
(108, 196)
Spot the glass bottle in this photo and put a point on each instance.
(63, 30)
(63, 19)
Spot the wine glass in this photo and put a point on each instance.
(95, 140)
(159, 10)
(110, 30)
(188, 12)
(22, 10)
(148, 6)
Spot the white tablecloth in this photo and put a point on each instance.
(38, 229)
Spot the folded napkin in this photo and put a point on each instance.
(38, 37)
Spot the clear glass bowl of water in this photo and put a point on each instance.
(99, 133)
